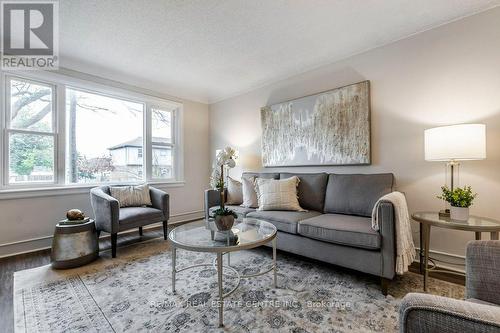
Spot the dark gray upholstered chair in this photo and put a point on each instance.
(480, 312)
(109, 217)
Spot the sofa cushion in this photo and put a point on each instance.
(265, 175)
(241, 211)
(283, 220)
(311, 189)
(355, 231)
(134, 214)
(356, 194)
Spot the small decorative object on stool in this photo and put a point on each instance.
(75, 214)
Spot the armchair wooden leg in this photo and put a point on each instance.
(140, 231)
(114, 238)
(165, 233)
(384, 283)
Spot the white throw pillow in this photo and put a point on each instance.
(249, 195)
(274, 194)
(131, 196)
(234, 192)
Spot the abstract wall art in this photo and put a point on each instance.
(329, 128)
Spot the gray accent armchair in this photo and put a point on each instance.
(480, 312)
(109, 217)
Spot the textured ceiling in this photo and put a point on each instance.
(208, 50)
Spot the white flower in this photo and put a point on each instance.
(226, 157)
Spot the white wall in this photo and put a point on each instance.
(28, 223)
(443, 76)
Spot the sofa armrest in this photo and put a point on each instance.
(429, 313)
(106, 210)
(161, 201)
(388, 244)
(483, 270)
(212, 198)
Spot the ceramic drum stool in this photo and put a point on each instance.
(74, 245)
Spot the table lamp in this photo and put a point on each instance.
(455, 143)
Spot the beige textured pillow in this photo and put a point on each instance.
(234, 192)
(249, 195)
(131, 196)
(274, 194)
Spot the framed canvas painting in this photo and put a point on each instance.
(329, 128)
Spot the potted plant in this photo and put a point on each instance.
(224, 218)
(460, 200)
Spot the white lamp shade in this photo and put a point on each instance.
(456, 142)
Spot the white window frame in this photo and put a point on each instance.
(174, 145)
(60, 82)
(7, 130)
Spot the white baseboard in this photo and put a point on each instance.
(45, 242)
(445, 260)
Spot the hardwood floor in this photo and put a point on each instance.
(449, 277)
(35, 259)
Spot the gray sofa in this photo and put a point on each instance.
(109, 217)
(337, 226)
(480, 312)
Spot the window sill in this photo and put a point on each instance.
(21, 193)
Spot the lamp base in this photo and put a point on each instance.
(444, 213)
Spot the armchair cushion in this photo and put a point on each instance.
(129, 215)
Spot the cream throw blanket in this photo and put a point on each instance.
(405, 249)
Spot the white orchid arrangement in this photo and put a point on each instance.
(226, 158)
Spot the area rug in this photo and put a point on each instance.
(132, 293)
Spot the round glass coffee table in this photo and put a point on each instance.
(246, 234)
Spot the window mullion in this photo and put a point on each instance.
(178, 134)
(60, 128)
(147, 155)
(5, 92)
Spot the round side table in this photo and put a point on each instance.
(427, 220)
(74, 245)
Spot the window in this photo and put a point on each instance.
(103, 132)
(30, 129)
(162, 143)
(66, 131)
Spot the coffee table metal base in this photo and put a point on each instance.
(219, 266)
